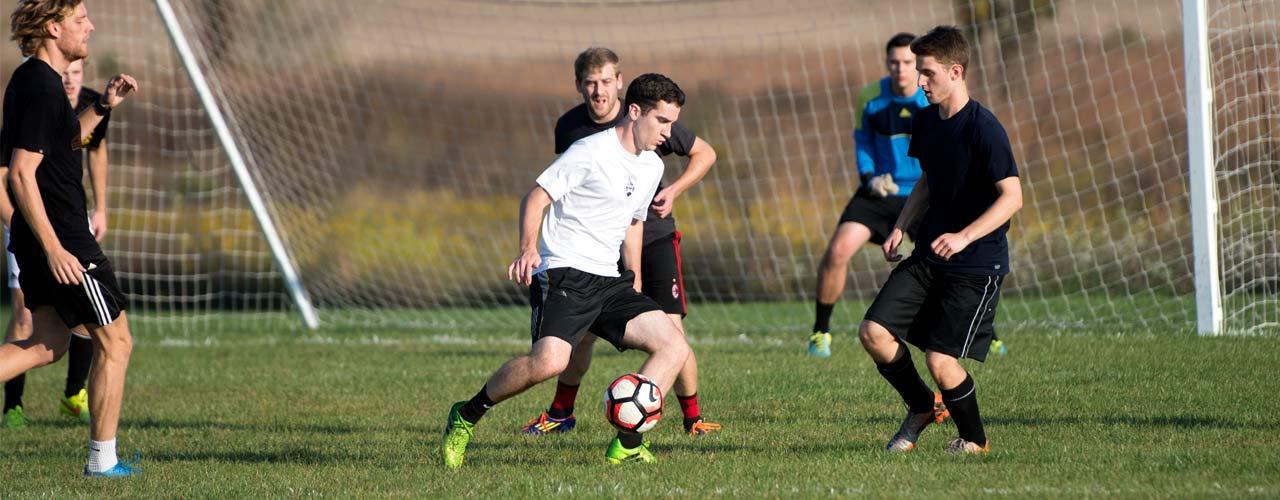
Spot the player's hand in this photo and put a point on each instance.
(66, 267)
(521, 270)
(664, 202)
(949, 244)
(637, 285)
(118, 88)
(98, 224)
(890, 246)
(883, 185)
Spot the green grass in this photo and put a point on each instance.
(348, 412)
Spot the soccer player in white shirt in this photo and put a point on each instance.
(598, 193)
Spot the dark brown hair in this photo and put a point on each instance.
(946, 44)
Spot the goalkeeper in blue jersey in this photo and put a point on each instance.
(881, 134)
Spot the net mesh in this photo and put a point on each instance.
(392, 141)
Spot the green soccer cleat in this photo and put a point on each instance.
(77, 406)
(616, 454)
(457, 433)
(14, 419)
(998, 347)
(820, 345)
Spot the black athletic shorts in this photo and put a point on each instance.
(566, 303)
(97, 300)
(878, 214)
(661, 274)
(938, 310)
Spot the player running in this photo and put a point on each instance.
(598, 79)
(943, 298)
(75, 399)
(67, 279)
(599, 193)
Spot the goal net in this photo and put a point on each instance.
(392, 141)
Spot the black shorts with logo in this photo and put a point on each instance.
(97, 300)
(566, 303)
(878, 214)
(661, 273)
(938, 310)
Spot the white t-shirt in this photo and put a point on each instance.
(596, 188)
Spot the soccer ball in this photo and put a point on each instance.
(633, 403)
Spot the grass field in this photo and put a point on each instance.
(342, 413)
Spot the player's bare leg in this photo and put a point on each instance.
(47, 343)
(19, 329)
(112, 348)
(559, 416)
(651, 332)
(893, 361)
(654, 334)
(548, 358)
(832, 271)
(686, 388)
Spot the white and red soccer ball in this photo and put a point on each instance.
(633, 403)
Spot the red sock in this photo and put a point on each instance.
(562, 405)
(689, 405)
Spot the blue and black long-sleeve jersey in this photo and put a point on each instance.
(882, 133)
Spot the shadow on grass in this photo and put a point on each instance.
(1166, 421)
(293, 455)
(293, 427)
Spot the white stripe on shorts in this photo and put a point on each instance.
(94, 291)
(982, 304)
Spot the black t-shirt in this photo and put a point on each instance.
(962, 157)
(577, 124)
(85, 101)
(38, 118)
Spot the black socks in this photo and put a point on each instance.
(476, 407)
(630, 440)
(13, 391)
(822, 321)
(902, 375)
(962, 402)
(79, 359)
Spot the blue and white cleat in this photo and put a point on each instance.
(820, 345)
(998, 347)
(120, 470)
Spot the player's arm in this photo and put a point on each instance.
(118, 88)
(864, 139)
(701, 157)
(915, 207)
(531, 208)
(632, 245)
(1007, 203)
(22, 178)
(98, 179)
(6, 208)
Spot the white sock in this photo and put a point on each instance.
(102, 455)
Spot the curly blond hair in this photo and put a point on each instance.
(31, 16)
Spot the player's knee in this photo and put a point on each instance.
(22, 318)
(940, 363)
(548, 364)
(676, 347)
(839, 253)
(871, 333)
(117, 344)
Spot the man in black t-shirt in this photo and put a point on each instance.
(599, 80)
(943, 298)
(75, 399)
(67, 279)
